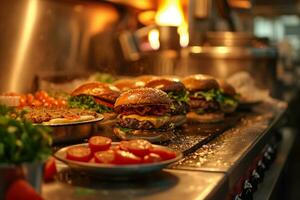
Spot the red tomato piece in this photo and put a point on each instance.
(99, 143)
(139, 147)
(21, 189)
(164, 153)
(36, 103)
(152, 158)
(23, 100)
(29, 99)
(105, 156)
(41, 95)
(82, 154)
(126, 158)
(104, 103)
(124, 145)
(49, 169)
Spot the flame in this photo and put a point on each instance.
(170, 13)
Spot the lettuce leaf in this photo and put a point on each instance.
(87, 102)
(179, 97)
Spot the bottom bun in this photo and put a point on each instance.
(150, 135)
(205, 118)
(178, 120)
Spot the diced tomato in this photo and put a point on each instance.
(36, 103)
(105, 156)
(99, 143)
(152, 158)
(104, 103)
(49, 169)
(62, 102)
(126, 158)
(124, 145)
(41, 95)
(21, 189)
(23, 100)
(29, 99)
(139, 147)
(82, 154)
(164, 153)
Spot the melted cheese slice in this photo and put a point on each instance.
(155, 120)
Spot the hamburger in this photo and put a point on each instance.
(145, 78)
(126, 84)
(143, 113)
(177, 93)
(228, 97)
(96, 96)
(204, 93)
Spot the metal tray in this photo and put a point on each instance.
(115, 170)
(75, 131)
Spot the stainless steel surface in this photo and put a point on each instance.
(272, 176)
(32, 172)
(237, 39)
(76, 131)
(234, 151)
(46, 36)
(169, 184)
(113, 171)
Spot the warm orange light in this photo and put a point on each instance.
(170, 13)
(153, 38)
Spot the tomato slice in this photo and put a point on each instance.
(105, 156)
(99, 143)
(82, 154)
(164, 153)
(126, 158)
(124, 145)
(152, 158)
(139, 147)
(103, 103)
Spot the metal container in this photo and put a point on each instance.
(31, 172)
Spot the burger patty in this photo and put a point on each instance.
(179, 109)
(207, 106)
(133, 123)
(143, 110)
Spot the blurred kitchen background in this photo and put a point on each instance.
(46, 43)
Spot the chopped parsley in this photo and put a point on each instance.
(87, 102)
(20, 140)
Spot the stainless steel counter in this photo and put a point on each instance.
(208, 173)
(169, 184)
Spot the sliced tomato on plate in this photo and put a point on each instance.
(152, 158)
(82, 154)
(139, 147)
(126, 158)
(107, 157)
(124, 145)
(99, 143)
(164, 153)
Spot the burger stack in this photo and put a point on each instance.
(149, 107)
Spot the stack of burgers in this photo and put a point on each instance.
(150, 107)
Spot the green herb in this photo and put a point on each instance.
(20, 140)
(124, 129)
(179, 97)
(102, 77)
(200, 111)
(209, 95)
(87, 102)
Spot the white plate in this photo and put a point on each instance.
(115, 170)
